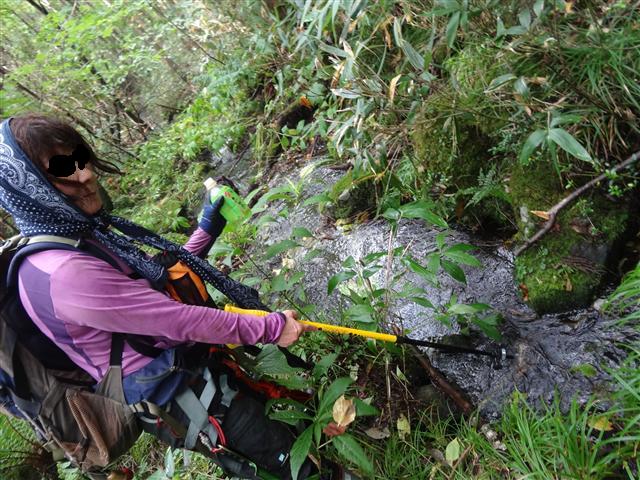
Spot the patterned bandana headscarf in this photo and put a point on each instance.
(38, 208)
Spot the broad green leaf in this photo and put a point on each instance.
(337, 388)
(452, 29)
(412, 54)
(453, 270)
(320, 198)
(280, 247)
(301, 232)
(520, 86)
(332, 50)
(322, 366)
(501, 80)
(440, 239)
(445, 7)
(500, 30)
(273, 362)
(532, 142)
(462, 309)
(299, 451)
(564, 119)
(360, 313)
(364, 409)
(339, 278)
(350, 449)
(463, 258)
(423, 302)
(488, 327)
(565, 141)
(525, 18)
(391, 214)
(419, 269)
(169, 463)
(290, 417)
(346, 93)
(279, 283)
(538, 7)
(452, 452)
(423, 210)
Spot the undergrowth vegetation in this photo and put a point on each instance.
(471, 114)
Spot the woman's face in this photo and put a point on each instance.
(81, 186)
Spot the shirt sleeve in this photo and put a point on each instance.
(199, 243)
(89, 292)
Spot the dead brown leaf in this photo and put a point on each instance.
(344, 411)
(541, 213)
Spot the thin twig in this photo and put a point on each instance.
(553, 211)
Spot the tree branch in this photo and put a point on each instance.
(553, 211)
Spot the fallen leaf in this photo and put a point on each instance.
(541, 214)
(568, 286)
(602, 424)
(403, 426)
(304, 101)
(344, 411)
(568, 7)
(377, 433)
(525, 291)
(452, 452)
(392, 87)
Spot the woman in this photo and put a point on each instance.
(48, 183)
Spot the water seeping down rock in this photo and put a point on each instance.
(568, 353)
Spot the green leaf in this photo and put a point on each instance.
(419, 269)
(564, 119)
(565, 141)
(488, 326)
(520, 86)
(301, 232)
(169, 463)
(391, 214)
(532, 142)
(322, 366)
(339, 278)
(346, 93)
(525, 18)
(538, 7)
(332, 50)
(453, 270)
(462, 257)
(452, 29)
(452, 452)
(337, 388)
(445, 7)
(499, 81)
(320, 198)
(423, 210)
(412, 54)
(423, 302)
(290, 417)
(350, 449)
(299, 451)
(280, 247)
(360, 313)
(363, 409)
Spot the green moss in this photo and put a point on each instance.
(565, 268)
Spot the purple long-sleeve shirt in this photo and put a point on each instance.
(77, 300)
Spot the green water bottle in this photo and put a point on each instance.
(234, 210)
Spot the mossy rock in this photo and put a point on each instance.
(565, 268)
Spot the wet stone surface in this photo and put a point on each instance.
(568, 352)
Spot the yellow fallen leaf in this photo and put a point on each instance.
(404, 428)
(541, 214)
(344, 411)
(392, 87)
(602, 424)
(568, 7)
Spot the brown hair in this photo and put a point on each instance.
(37, 134)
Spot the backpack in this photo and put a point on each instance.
(93, 424)
(88, 423)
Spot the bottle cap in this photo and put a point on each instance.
(209, 183)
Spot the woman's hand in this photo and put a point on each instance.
(292, 329)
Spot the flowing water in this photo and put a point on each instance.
(568, 352)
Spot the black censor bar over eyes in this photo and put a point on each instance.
(65, 165)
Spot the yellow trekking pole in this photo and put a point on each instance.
(385, 337)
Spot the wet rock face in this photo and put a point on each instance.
(568, 353)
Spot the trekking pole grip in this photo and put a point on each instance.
(385, 337)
